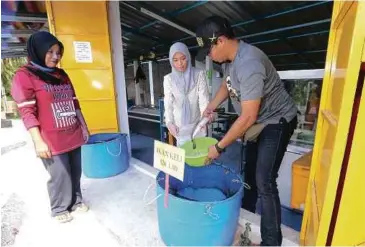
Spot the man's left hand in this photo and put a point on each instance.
(212, 155)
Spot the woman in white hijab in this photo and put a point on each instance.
(186, 95)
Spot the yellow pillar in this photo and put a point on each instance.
(350, 222)
(83, 29)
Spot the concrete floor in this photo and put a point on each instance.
(119, 215)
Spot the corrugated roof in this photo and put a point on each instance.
(294, 34)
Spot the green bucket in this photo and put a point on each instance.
(197, 156)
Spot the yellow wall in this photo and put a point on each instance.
(87, 21)
(339, 85)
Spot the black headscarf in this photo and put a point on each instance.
(38, 45)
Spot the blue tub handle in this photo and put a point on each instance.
(115, 155)
(208, 211)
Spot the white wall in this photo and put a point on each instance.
(160, 69)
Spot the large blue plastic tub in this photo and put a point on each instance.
(105, 155)
(198, 223)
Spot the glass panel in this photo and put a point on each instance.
(306, 94)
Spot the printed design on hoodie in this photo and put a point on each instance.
(63, 107)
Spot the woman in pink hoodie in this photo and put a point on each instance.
(51, 113)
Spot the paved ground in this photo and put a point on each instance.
(119, 215)
(24, 203)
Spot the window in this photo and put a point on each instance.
(306, 94)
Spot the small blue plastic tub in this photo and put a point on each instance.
(105, 155)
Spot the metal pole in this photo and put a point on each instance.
(150, 71)
(138, 89)
(209, 71)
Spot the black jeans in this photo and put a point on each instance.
(263, 159)
(64, 185)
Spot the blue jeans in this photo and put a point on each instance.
(263, 159)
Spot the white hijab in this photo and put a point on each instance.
(184, 81)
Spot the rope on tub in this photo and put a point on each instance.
(147, 190)
(115, 155)
(107, 148)
(228, 169)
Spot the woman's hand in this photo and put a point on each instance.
(174, 130)
(85, 130)
(85, 133)
(42, 149)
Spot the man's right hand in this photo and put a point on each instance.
(174, 130)
(209, 113)
(42, 149)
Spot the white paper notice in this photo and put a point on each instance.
(169, 159)
(83, 52)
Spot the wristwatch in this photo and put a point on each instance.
(219, 149)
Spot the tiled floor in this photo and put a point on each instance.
(142, 149)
